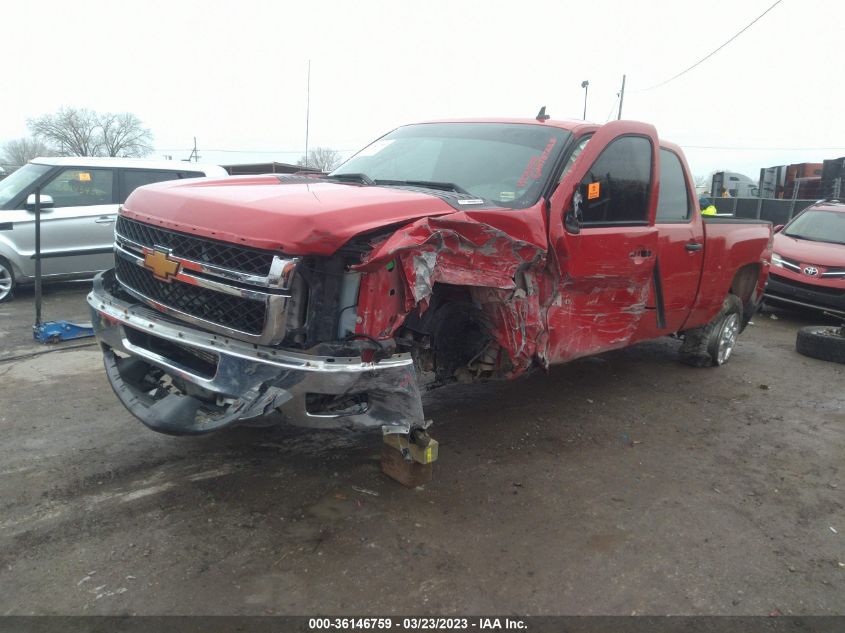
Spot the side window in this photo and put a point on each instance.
(673, 204)
(615, 190)
(80, 187)
(134, 178)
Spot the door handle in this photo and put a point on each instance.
(694, 246)
(105, 219)
(642, 253)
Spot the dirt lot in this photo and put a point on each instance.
(618, 484)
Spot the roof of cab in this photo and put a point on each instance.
(575, 126)
(560, 123)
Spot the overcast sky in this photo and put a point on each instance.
(233, 74)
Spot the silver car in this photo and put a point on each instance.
(79, 201)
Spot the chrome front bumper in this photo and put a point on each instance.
(246, 381)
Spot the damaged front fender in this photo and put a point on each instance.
(505, 276)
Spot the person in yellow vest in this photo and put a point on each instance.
(706, 205)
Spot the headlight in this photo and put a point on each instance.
(777, 260)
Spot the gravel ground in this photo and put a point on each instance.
(624, 483)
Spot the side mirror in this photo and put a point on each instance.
(779, 228)
(46, 202)
(574, 215)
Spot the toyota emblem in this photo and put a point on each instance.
(811, 270)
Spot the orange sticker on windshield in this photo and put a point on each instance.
(593, 190)
(84, 176)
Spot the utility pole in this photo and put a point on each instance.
(586, 86)
(621, 97)
(194, 153)
(307, 110)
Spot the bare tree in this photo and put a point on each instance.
(83, 132)
(322, 158)
(124, 135)
(20, 151)
(74, 131)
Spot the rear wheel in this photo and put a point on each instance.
(714, 343)
(824, 342)
(7, 280)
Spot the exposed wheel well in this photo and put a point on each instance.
(451, 336)
(743, 285)
(745, 281)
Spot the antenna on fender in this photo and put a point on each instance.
(541, 115)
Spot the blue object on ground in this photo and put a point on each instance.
(57, 331)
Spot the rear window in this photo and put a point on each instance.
(673, 204)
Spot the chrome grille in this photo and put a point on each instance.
(205, 251)
(225, 288)
(236, 313)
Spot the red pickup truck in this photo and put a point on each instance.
(444, 251)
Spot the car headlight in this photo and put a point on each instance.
(777, 260)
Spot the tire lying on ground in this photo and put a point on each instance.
(825, 342)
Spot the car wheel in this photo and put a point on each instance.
(825, 342)
(714, 343)
(7, 280)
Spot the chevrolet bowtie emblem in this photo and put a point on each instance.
(158, 262)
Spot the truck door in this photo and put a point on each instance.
(680, 249)
(603, 239)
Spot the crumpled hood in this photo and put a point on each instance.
(809, 252)
(304, 216)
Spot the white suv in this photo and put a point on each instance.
(80, 197)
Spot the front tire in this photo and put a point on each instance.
(7, 280)
(713, 344)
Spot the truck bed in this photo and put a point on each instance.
(730, 243)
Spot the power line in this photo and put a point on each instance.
(612, 108)
(709, 55)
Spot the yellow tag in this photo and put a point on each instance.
(593, 190)
(428, 455)
(84, 176)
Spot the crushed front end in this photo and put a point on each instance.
(200, 334)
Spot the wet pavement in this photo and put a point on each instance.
(624, 483)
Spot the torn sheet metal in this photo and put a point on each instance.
(503, 273)
(247, 382)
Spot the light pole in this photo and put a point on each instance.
(586, 86)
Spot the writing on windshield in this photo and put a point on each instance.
(503, 163)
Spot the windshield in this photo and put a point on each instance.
(20, 180)
(506, 164)
(818, 226)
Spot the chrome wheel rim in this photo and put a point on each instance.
(5, 282)
(832, 331)
(727, 338)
